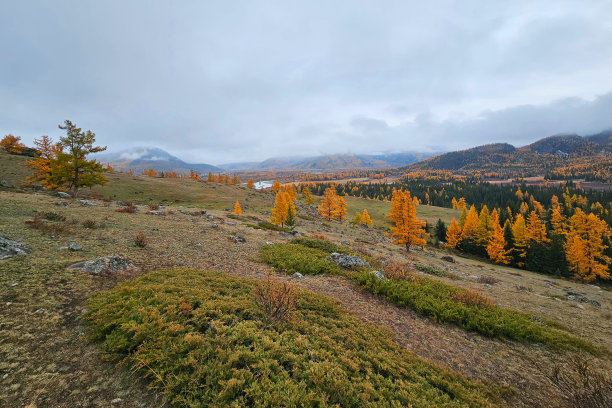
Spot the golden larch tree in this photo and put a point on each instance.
(584, 248)
(408, 230)
(365, 217)
(280, 212)
(453, 234)
(327, 207)
(251, 183)
(308, 198)
(536, 228)
(45, 151)
(469, 231)
(521, 238)
(276, 187)
(237, 208)
(12, 144)
(340, 209)
(496, 248)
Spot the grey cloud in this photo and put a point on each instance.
(219, 82)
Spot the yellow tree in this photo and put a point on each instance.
(453, 234)
(557, 220)
(340, 209)
(461, 204)
(469, 230)
(521, 238)
(251, 183)
(496, 248)
(45, 151)
(365, 218)
(237, 208)
(485, 226)
(584, 248)
(308, 198)
(12, 144)
(280, 212)
(536, 228)
(408, 230)
(328, 203)
(276, 187)
(210, 177)
(454, 203)
(357, 219)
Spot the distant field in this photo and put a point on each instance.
(378, 211)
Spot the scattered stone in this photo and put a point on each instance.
(85, 310)
(9, 248)
(210, 217)
(238, 239)
(122, 203)
(14, 284)
(74, 247)
(107, 264)
(448, 258)
(488, 285)
(538, 320)
(42, 310)
(156, 212)
(298, 275)
(6, 184)
(185, 212)
(345, 243)
(581, 298)
(5, 376)
(215, 226)
(116, 401)
(9, 303)
(295, 233)
(62, 248)
(197, 244)
(63, 194)
(88, 203)
(62, 204)
(232, 223)
(347, 261)
(228, 209)
(379, 275)
(579, 306)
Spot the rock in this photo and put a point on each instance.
(88, 203)
(379, 275)
(579, 306)
(232, 223)
(122, 203)
(10, 248)
(14, 284)
(108, 264)
(448, 258)
(74, 247)
(6, 184)
(63, 194)
(347, 261)
(215, 226)
(295, 233)
(210, 217)
(156, 212)
(62, 204)
(42, 310)
(238, 239)
(228, 209)
(579, 297)
(116, 401)
(345, 243)
(298, 275)
(489, 286)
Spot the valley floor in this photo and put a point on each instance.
(45, 362)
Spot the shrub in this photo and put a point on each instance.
(219, 350)
(153, 207)
(323, 245)
(431, 270)
(293, 258)
(319, 235)
(90, 224)
(265, 225)
(472, 297)
(51, 216)
(445, 304)
(488, 280)
(40, 222)
(130, 209)
(275, 299)
(141, 240)
(397, 271)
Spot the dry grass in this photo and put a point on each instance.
(277, 300)
(141, 240)
(472, 297)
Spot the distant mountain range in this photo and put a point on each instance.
(141, 158)
(541, 156)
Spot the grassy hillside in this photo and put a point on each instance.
(13, 168)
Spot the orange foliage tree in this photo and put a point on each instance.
(365, 218)
(584, 248)
(327, 207)
(237, 208)
(45, 151)
(408, 230)
(496, 248)
(12, 144)
(251, 183)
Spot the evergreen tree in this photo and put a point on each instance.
(440, 230)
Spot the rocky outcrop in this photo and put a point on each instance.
(111, 264)
(10, 248)
(347, 261)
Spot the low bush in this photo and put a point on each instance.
(89, 224)
(431, 270)
(141, 240)
(40, 222)
(199, 338)
(277, 300)
(323, 245)
(51, 216)
(449, 304)
(293, 258)
(488, 280)
(130, 209)
(265, 225)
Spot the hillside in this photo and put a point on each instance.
(550, 155)
(143, 158)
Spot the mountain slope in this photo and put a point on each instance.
(141, 158)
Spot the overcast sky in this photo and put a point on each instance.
(227, 81)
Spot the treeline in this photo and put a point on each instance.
(506, 197)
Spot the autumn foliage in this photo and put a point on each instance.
(12, 144)
(408, 230)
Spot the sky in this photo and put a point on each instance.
(232, 81)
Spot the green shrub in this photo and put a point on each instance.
(444, 303)
(431, 270)
(265, 225)
(293, 258)
(321, 244)
(199, 338)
